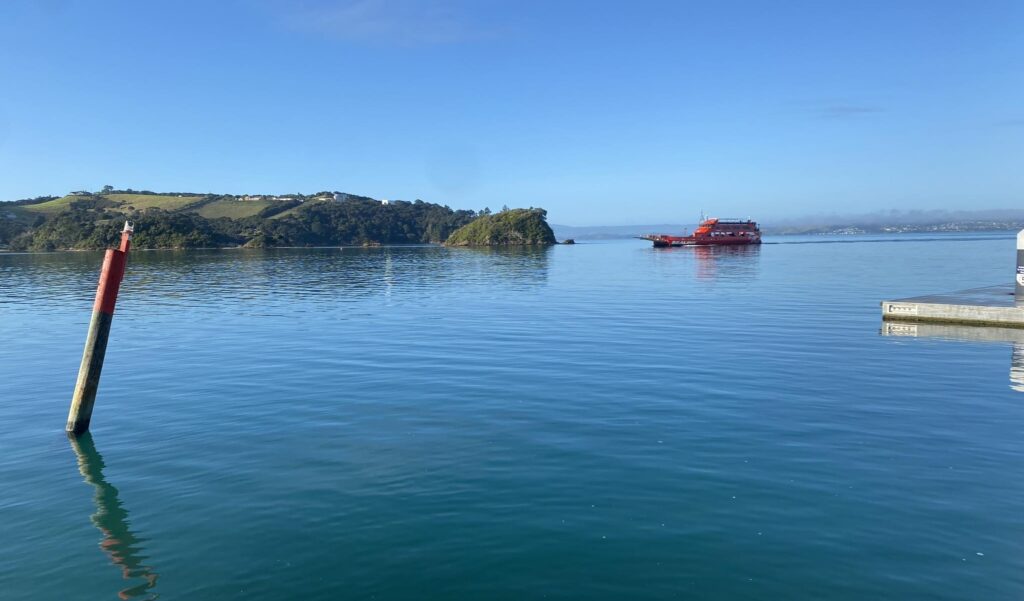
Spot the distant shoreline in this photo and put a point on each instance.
(563, 232)
(944, 228)
(838, 238)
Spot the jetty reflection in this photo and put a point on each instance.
(1013, 336)
(111, 518)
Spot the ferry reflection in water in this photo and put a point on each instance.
(111, 518)
(730, 262)
(970, 334)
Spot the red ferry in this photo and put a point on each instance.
(713, 232)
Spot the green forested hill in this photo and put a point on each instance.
(93, 221)
(512, 227)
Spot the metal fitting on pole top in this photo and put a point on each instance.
(126, 236)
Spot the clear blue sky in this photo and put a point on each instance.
(603, 113)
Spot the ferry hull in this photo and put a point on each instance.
(712, 232)
(668, 243)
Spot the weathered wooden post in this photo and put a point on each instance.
(1019, 289)
(99, 329)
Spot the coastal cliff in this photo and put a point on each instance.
(512, 227)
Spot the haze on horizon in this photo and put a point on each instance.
(602, 113)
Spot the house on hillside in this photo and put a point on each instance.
(385, 201)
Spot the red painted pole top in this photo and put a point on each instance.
(113, 273)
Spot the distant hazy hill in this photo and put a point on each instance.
(901, 221)
(869, 223)
(613, 232)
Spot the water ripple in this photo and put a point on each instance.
(598, 421)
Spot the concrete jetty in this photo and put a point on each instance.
(988, 306)
(992, 306)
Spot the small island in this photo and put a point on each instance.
(510, 227)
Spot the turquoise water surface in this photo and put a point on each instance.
(598, 421)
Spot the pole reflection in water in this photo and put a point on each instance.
(111, 518)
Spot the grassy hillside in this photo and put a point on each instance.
(53, 206)
(153, 201)
(292, 211)
(115, 202)
(126, 203)
(233, 209)
(507, 228)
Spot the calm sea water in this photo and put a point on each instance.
(599, 421)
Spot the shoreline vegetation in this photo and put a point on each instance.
(176, 220)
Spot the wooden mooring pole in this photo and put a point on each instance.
(99, 329)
